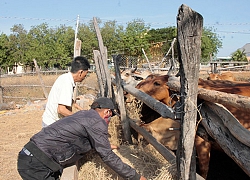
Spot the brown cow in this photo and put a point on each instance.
(157, 88)
(240, 88)
(165, 131)
(223, 76)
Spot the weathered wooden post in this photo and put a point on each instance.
(41, 79)
(189, 31)
(99, 71)
(103, 55)
(120, 99)
(77, 52)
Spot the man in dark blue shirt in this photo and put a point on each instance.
(64, 142)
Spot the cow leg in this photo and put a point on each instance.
(203, 149)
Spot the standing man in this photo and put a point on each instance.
(64, 142)
(60, 100)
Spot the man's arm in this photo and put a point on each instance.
(98, 136)
(63, 110)
(77, 106)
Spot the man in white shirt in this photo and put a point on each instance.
(60, 99)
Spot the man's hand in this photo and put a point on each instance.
(113, 146)
(143, 178)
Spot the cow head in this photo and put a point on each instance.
(156, 86)
(127, 76)
(221, 76)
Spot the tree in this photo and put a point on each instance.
(210, 44)
(135, 38)
(160, 40)
(87, 35)
(62, 43)
(4, 51)
(239, 56)
(18, 45)
(111, 35)
(50, 47)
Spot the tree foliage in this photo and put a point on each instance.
(210, 44)
(134, 38)
(239, 56)
(53, 47)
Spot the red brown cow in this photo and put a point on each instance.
(223, 76)
(165, 131)
(157, 88)
(240, 88)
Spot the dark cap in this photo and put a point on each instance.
(104, 103)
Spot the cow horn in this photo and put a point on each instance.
(123, 69)
(132, 71)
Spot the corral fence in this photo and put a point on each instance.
(27, 87)
(24, 87)
(233, 140)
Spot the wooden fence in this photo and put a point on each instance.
(189, 30)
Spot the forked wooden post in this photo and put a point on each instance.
(104, 62)
(189, 31)
(41, 79)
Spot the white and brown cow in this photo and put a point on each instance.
(133, 77)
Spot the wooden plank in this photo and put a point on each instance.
(151, 102)
(189, 31)
(98, 71)
(231, 146)
(235, 100)
(233, 125)
(120, 100)
(166, 153)
(103, 62)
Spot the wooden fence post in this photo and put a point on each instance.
(99, 70)
(120, 99)
(104, 61)
(189, 30)
(77, 52)
(41, 79)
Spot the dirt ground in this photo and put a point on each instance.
(17, 126)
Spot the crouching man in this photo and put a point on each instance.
(64, 142)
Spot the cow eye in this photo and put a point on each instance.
(157, 83)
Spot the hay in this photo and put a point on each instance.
(144, 158)
(147, 161)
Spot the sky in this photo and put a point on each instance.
(230, 19)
